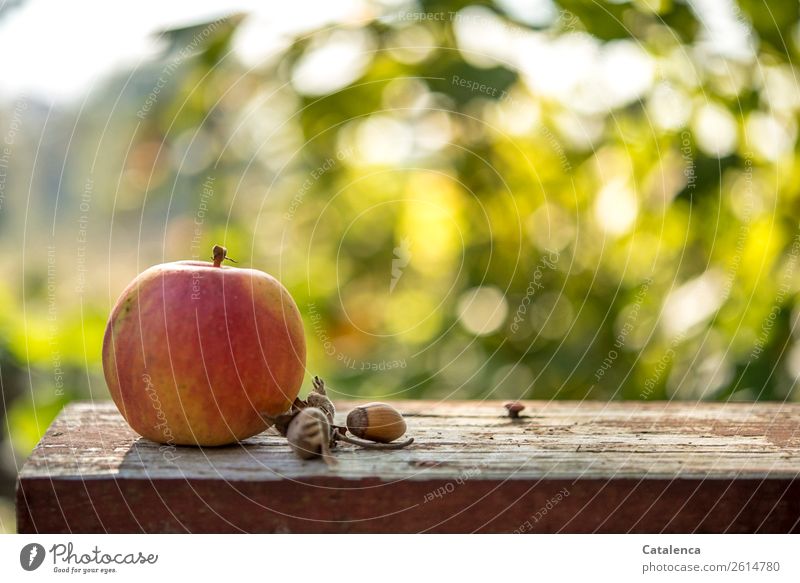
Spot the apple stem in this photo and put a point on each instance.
(220, 254)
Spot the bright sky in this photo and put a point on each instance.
(56, 50)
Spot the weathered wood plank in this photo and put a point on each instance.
(565, 466)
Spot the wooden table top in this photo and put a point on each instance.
(562, 467)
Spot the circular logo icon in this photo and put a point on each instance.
(31, 556)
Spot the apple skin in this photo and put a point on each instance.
(193, 352)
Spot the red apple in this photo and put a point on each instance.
(195, 352)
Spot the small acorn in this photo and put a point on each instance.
(376, 422)
(514, 408)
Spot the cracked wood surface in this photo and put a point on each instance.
(562, 467)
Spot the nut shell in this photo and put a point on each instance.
(376, 422)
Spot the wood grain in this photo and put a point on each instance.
(561, 467)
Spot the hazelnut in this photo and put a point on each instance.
(376, 422)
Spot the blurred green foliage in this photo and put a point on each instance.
(602, 204)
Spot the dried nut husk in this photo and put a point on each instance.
(309, 434)
(376, 422)
(318, 398)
